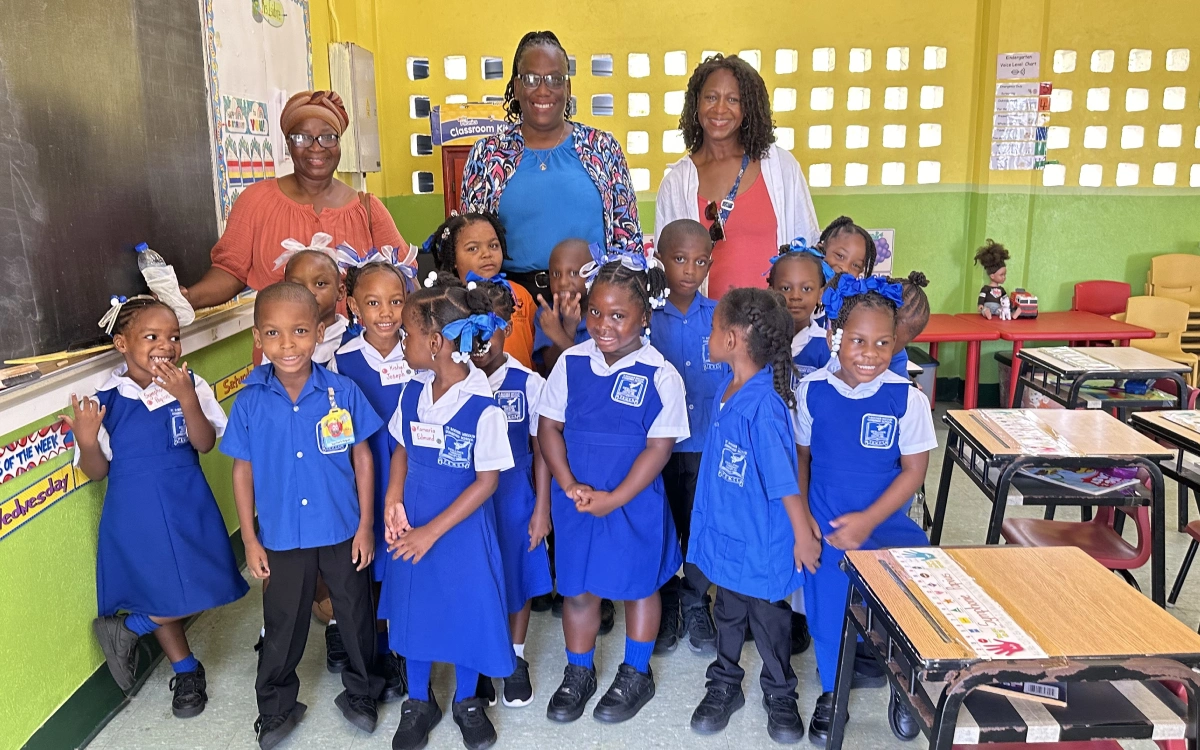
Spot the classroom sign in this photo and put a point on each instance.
(229, 385)
(34, 449)
(17, 510)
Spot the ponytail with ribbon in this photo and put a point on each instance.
(467, 331)
(799, 247)
(636, 262)
(846, 291)
(117, 303)
(320, 243)
(350, 262)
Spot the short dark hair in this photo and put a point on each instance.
(443, 243)
(285, 291)
(758, 127)
(763, 315)
(512, 107)
(845, 225)
(312, 254)
(684, 228)
(787, 255)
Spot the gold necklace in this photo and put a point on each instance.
(542, 162)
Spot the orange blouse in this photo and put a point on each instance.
(520, 343)
(263, 217)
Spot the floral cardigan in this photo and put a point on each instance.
(494, 160)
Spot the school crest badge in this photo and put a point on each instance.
(179, 433)
(878, 431)
(513, 404)
(630, 389)
(733, 464)
(456, 453)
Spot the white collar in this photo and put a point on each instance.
(475, 384)
(646, 354)
(124, 384)
(496, 379)
(371, 354)
(801, 339)
(862, 390)
(335, 329)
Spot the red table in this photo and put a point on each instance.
(944, 328)
(1057, 326)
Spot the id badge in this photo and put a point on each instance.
(395, 373)
(335, 431)
(155, 397)
(428, 435)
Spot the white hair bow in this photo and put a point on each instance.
(320, 243)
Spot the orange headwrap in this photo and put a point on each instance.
(323, 105)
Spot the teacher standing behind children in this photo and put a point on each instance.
(750, 193)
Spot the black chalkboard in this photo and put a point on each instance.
(104, 143)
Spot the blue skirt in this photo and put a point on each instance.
(526, 573)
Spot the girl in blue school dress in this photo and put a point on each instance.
(611, 412)
(163, 552)
(864, 436)
(376, 287)
(443, 590)
(800, 273)
(522, 501)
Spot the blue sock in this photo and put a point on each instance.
(466, 681)
(140, 624)
(384, 646)
(418, 679)
(582, 660)
(188, 663)
(637, 654)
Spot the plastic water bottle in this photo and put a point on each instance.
(161, 279)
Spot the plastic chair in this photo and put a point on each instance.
(1100, 297)
(1169, 319)
(1096, 537)
(1175, 276)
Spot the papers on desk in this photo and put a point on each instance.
(1026, 432)
(1187, 419)
(1075, 359)
(1091, 481)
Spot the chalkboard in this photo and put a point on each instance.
(104, 135)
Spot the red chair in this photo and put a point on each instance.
(1096, 537)
(1100, 297)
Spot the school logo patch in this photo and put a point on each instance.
(456, 453)
(179, 433)
(878, 431)
(630, 389)
(733, 464)
(513, 404)
(708, 363)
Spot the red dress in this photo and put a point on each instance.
(744, 256)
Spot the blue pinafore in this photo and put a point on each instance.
(631, 552)
(812, 357)
(526, 574)
(163, 548)
(449, 607)
(383, 399)
(854, 459)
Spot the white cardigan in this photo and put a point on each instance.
(795, 216)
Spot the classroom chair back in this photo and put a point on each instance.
(1175, 276)
(1101, 297)
(1169, 319)
(1097, 537)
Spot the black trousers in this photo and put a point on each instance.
(771, 624)
(679, 481)
(287, 609)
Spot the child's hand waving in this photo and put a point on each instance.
(174, 380)
(88, 416)
(568, 306)
(851, 530)
(549, 320)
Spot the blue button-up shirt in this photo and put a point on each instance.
(899, 363)
(682, 338)
(305, 498)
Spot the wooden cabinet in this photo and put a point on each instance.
(454, 160)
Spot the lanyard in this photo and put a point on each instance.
(727, 204)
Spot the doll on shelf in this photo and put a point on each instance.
(993, 256)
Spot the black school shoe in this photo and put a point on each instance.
(867, 672)
(336, 658)
(190, 693)
(668, 627)
(608, 616)
(395, 677)
(901, 720)
(417, 720)
(822, 719)
(569, 701)
(801, 639)
(542, 603)
(360, 710)
(720, 703)
(701, 632)
(119, 645)
(518, 690)
(271, 729)
(630, 690)
(784, 724)
(477, 730)
(485, 690)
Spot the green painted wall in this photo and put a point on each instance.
(48, 649)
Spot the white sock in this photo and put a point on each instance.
(263, 633)
(333, 622)
(519, 648)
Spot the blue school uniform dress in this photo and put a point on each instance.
(541, 340)
(608, 413)
(526, 573)
(682, 338)
(861, 434)
(742, 537)
(163, 549)
(450, 606)
(810, 349)
(381, 380)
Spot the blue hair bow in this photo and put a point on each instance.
(848, 286)
(800, 245)
(466, 329)
(347, 257)
(602, 257)
(500, 278)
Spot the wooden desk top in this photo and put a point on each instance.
(1089, 432)
(1062, 326)
(1070, 604)
(1187, 437)
(1124, 358)
(943, 328)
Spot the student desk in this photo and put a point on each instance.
(1062, 373)
(993, 445)
(1180, 431)
(944, 328)
(1044, 614)
(1073, 325)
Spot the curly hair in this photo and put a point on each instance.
(786, 255)
(443, 243)
(447, 301)
(641, 284)
(762, 314)
(869, 300)
(133, 308)
(914, 311)
(512, 107)
(845, 225)
(992, 256)
(758, 127)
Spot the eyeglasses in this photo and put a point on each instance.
(304, 140)
(531, 81)
(712, 212)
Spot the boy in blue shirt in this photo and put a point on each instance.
(680, 331)
(297, 434)
(561, 325)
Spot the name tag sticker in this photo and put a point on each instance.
(395, 373)
(156, 397)
(427, 435)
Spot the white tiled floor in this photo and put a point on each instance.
(223, 640)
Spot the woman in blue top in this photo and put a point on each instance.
(864, 436)
(751, 534)
(546, 177)
(611, 412)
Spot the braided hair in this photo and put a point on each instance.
(443, 243)
(869, 300)
(356, 274)
(533, 39)
(762, 315)
(447, 301)
(132, 309)
(641, 284)
(914, 311)
(845, 225)
(758, 129)
(787, 255)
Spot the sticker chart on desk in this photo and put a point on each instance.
(1024, 431)
(980, 621)
(1188, 419)
(1075, 359)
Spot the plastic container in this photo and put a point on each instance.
(161, 279)
(928, 377)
